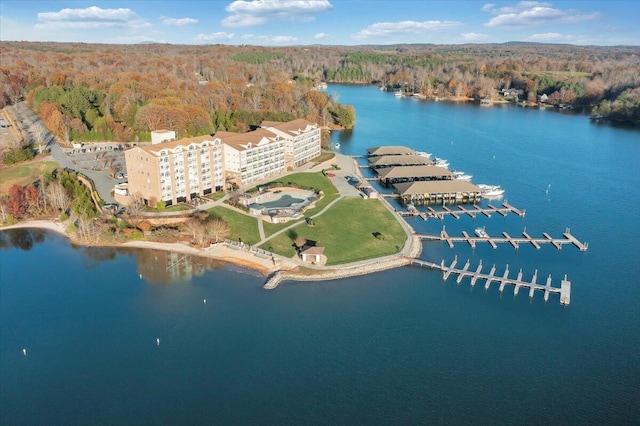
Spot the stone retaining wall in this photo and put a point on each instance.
(334, 274)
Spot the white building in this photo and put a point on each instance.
(159, 136)
(302, 139)
(252, 156)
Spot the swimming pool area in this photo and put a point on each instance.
(283, 203)
(285, 200)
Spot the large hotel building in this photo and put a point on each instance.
(176, 171)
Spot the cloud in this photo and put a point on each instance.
(320, 36)
(531, 13)
(220, 36)
(474, 37)
(280, 39)
(91, 17)
(258, 12)
(178, 22)
(386, 29)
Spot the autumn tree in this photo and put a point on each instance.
(58, 196)
(16, 203)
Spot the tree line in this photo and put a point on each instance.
(88, 91)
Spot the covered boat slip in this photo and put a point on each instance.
(390, 150)
(381, 161)
(436, 191)
(392, 175)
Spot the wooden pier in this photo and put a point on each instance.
(506, 238)
(564, 290)
(461, 210)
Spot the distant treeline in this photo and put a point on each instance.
(86, 91)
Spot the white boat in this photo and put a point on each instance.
(398, 94)
(484, 187)
(480, 232)
(441, 162)
(462, 176)
(336, 146)
(493, 193)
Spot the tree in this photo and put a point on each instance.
(219, 229)
(198, 231)
(33, 199)
(16, 203)
(58, 196)
(299, 242)
(135, 209)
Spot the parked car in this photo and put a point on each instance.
(120, 175)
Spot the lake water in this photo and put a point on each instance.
(399, 347)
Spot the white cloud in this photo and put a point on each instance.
(257, 12)
(220, 36)
(280, 39)
(91, 17)
(320, 36)
(179, 22)
(488, 7)
(385, 29)
(531, 13)
(474, 37)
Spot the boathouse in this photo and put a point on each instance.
(392, 175)
(389, 150)
(438, 191)
(398, 160)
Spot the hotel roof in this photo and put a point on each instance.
(390, 150)
(414, 172)
(240, 141)
(435, 187)
(399, 160)
(292, 128)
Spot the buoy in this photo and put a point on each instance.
(158, 342)
(24, 352)
(140, 276)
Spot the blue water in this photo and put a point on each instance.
(399, 347)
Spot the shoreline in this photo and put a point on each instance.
(276, 271)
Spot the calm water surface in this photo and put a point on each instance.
(400, 347)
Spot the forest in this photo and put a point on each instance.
(86, 92)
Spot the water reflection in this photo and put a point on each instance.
(23, 239)
(155, 266)
(163, 267)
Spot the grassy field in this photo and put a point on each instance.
(312, 180)
(241, 225)
(23, 174)
(347, 232)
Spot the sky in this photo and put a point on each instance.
(322, 22)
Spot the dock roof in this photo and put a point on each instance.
(390, 150)
(399, 160)
(401, 172)
(435, 187)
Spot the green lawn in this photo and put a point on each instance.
(176, 208)
(346, 231)
(242, 226)
(310, 180)
(23, 174)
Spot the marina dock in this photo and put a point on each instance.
(506, 238)
(564, 290)
(440, 214)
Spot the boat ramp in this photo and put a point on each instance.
(503, 280)
(568, 238)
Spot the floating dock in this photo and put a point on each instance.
(506, 238)
(564, 290)
(440, 214)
